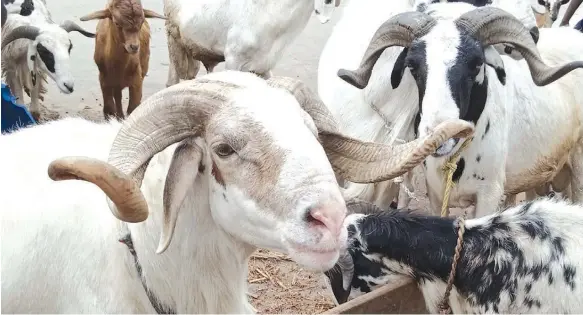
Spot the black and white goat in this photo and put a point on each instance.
(527, 114)
(34, 46)
(526, 259)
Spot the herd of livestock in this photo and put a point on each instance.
(200, 174)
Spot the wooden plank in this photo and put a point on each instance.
(402, 297)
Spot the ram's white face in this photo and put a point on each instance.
(271, 184)
(324, 9)
(53, 47)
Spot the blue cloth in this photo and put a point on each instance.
(13, 115)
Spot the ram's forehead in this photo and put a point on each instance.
(53, 31)
(449, 10)
(277, 112)
(442, 44)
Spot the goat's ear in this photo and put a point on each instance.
(359, 206)
(97, 15)
(181, 175)
(152, 14)
(399, 69)
(340, 278)
(493, 59)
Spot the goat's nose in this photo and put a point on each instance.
(134, 47)
(329, 215)
(69, 87)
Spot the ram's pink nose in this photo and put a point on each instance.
(329, 215)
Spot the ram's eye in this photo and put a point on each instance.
(508, 50)
(224, 150)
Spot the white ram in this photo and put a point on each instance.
(527, 114)
(357, 111)
(222, 171)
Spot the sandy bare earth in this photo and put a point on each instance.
(277, 285)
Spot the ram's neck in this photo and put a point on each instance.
(204, 270)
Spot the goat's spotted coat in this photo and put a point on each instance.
(526, 259)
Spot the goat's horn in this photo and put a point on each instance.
(70, 26)
(97, 15)
(153, 14)
(167, 117)
(400, 30)
(25, 31)
(491, 25)
(120, 188)
(369, 162)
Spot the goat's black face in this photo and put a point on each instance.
(448, 67)
(464, 76)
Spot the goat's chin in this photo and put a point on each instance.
(315, 260)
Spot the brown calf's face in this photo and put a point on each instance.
(128, 16)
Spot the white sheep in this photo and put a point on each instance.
(33, 46)
(527, 125)
(357, 111)
(249, 35)
(222, 171)
(522, 260)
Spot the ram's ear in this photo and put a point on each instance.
(398, 69)
(181, 175)
(534, 32)
(493, 59)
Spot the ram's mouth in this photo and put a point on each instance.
(446, 148)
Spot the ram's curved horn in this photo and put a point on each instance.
(369, 162)
(491, 25)
(399, 30)
(25, 31)
(116, 185)
(365, 162)
(165, 118)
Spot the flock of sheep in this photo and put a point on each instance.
(202, 173)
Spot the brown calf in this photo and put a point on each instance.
(122, 52)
